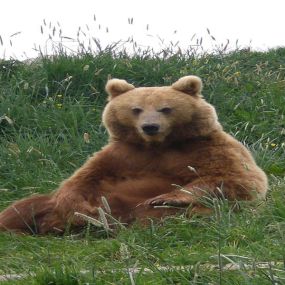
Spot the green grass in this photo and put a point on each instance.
(47, 105)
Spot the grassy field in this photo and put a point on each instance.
(48, 104)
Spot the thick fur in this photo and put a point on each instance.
(136, 171)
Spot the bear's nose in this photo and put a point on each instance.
(150, 129)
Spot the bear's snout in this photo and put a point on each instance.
(150, 129)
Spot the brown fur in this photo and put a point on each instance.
(136, 171)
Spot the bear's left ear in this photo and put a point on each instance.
(191, 85)
(116, 87)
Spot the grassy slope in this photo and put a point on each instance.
(54, 102)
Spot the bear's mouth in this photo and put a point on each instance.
(153, 136)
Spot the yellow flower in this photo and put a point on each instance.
(59, 95)
(273, 144)
(58, 106)
(26, 86)
(86, 137)
(86, 67)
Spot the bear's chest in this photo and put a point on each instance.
(166, 163)
(180, 163)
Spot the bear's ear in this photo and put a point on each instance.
(191, 85)
(116, 87)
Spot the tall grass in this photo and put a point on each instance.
(50, 122)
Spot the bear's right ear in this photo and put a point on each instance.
(116, 87)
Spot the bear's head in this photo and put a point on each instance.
(156, 115)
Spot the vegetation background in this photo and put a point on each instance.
(50, 122)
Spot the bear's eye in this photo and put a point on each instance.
(165, 110)
(137, 110)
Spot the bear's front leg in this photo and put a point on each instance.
(187, 195)
(182, 199)
(193, 193)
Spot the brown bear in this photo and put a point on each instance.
(159, 137)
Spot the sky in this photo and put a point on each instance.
(28, 24)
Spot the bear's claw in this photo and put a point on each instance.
(166, 200)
